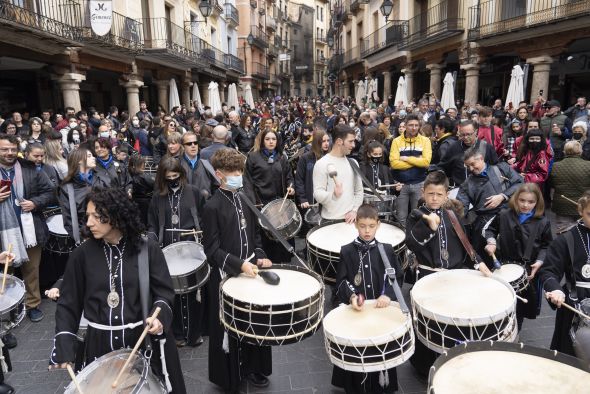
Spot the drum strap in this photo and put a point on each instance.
(462, 237)
(501, 178)
(569, 238)
(210, 170)
(73, 213)
(390, 272)
(143, 265)
(368, 184)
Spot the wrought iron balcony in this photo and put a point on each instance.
(234, 63)
(272, 51)
(208, 52)
(274, 79)
(355, 5)
(352, 56)
(52, 18)
(442, 21)
(126, 34)
(393, 33)
(259, 70)
(491, 18)
(260, 37)
(321, 39)
(336, 61)
(232, 15)
(271, 23)
(169, 42)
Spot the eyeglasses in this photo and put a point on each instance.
(191, 143)
(3, 150)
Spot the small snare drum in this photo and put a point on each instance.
(500, 367)
(263, 314)
(369, 340)
(384, 207)
(455, 306)
(513, 274)
(287, 220)
(59, 241)
(188, 266)
(12, 303)
(98, 376)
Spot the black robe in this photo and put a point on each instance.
(85, 288)
(372, 285)
(227, 245)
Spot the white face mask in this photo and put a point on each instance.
(104, 134)
(135, 123)
(73, 124)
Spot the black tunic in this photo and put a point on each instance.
(372, 286)
(227, 245)
(85, 288)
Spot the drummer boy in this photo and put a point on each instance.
(361, 275)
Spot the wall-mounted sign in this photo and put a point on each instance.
(101, 16)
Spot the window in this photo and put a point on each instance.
(317, 12)
(322, 14)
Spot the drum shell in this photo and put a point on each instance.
(58, 243)
(520, 283)
(193, 279)
(11, 315)
(385, 207)
(147, 381)
(287, 230)
(271, 325)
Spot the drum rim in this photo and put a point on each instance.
(284, 226)
(374, 366)
(520, 348)
(510, 265)
(476, 320)
(22, 297)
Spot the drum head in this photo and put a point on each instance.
(14, 293)
(294, 286)
(184, 257)
(332, 237)
(509, 272)
(462, 297)
(278, 217)
(55, 224)
(484, 367)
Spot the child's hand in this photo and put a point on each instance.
(383, 301)
(354, 301)
(433, 220)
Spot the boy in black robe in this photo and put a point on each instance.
(230, 235)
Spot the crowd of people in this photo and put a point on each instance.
(128, 183)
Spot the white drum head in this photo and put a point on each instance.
(507, 372)
(55, 224)
(184, 257)
(462, 297)
(509, 272)
(294, 286)
(334, 236)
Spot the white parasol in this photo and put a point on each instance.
(516, 88)
(173, 98)
(448, 94)
(214, 98)
(401, 94)
(360, 93)
(232, 93)
(248, 96)
(197, 97)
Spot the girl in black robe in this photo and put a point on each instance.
(230, 235)
(174, 207)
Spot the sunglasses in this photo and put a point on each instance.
(191, 143)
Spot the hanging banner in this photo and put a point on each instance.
(101, 16)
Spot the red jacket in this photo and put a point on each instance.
(485, 133)
(534, 167)
(516, 145)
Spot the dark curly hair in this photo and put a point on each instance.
(113, 206)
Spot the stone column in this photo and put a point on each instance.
(471, 82)
(409, 77)
(222, 87)
(541, 68)
(163, 93)
(386, 85)
(204, 86)
(132, 86)
(70, 89)
(185, 98)
(435, 78)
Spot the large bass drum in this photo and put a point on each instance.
(256, 312)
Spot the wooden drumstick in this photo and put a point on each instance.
(569, 199)
(132, 354)
(193, 232)
(74, 379)
(6, 268)
(285, 198)
(571, 308)
(522, 299)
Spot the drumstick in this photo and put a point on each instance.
(497, 263)
(571, 308)
(285, 198)
(193, 232)
(73, 377)
(6, 268)
(132, 354)
(569, 199)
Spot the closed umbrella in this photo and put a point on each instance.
(197, 96)
(360, 93)
(232, 93)
(248, 95)
(173, 98)
(214, 98)
(516, 87)
(448, 94)
(401, 94)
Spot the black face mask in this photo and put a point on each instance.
(376, 160)
(535, 146)
(578, 136)
(173, 183)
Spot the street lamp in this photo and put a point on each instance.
(250, 39)
(205, 8)
(386, 8)
(330, 41)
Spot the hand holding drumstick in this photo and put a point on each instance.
(7, 257)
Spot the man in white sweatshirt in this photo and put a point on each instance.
(336, 186)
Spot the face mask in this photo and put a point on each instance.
(73, 124)
(104, 134)
(173, 183)
(578, 136)
(233, 182)
(135, 123)
(114, 134)
(535, 145)
(376, 160)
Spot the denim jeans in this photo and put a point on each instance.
(407, 200)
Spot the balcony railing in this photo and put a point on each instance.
(208, 52)
(126, 33)
(168, 40)
(389, 35)
(260, 37)
(259, 70)
(231, 14)
(494, 17)
(56, 18)
(274, 79)
(271, 23)
(272, 51)
(435, 24)
(355, 5)
(336, 61)
(352, 56)
(321, 38)
(234, 63)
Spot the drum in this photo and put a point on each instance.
(370, 340)
(324, 243)
(58, 241)
(262, 314)
(513, 274)
(98, 376)
(384, 207)
(12, 303)
(313, 217)
(452, 307)
(499, 367)
(287, 220)
(188, 266)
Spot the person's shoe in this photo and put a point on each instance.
(180, 343)
(258, 380)
(9, 341)
(198, 342)
(35, 314)
(6, 389)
